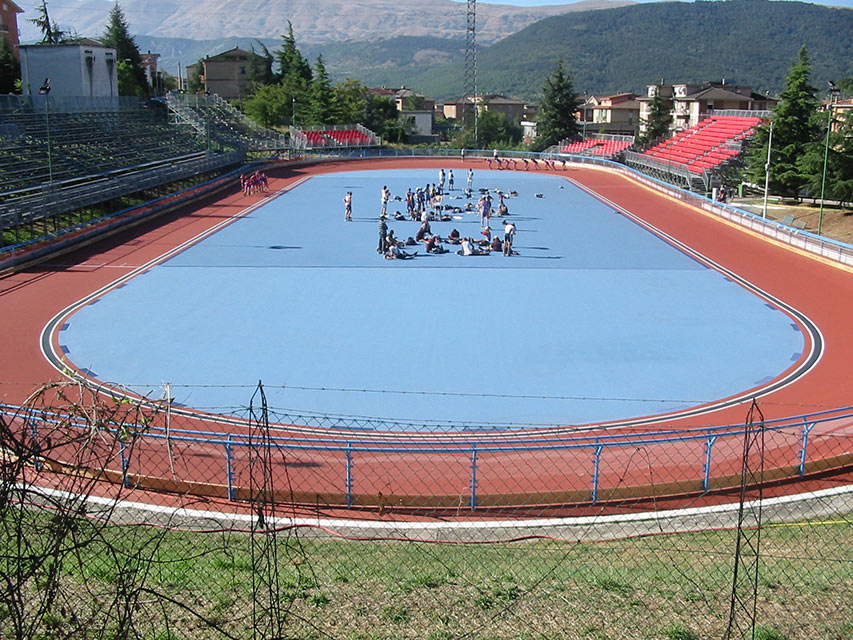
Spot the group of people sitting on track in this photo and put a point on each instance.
(392, 248)
(254, 183)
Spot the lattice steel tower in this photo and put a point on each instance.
(470, 80)
(744, 599)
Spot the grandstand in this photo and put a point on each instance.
(337, 136)
(602, 146)
(62, 154)
(693, 155)
(707, 145)
(218, 121)
(58, 142)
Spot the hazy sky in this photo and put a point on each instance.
(528, 3)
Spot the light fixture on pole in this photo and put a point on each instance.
(833, 93)
(44, 90)
(767, 171)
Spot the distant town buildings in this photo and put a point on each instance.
(514, 110)
(82, 67)
(415, 109)
(689, 103)
(149, 63)
(9, 23)
(617, 114)
(226, 74)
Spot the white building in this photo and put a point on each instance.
(83, 67)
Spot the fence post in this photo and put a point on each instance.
(34, 434)
(124, 461)
(229, 469)
(349, 474)
(807, 428)
(595, 473)
(473, 477)
(706, 469)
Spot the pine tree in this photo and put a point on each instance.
(794, 127)
(260, 66)
(50, 32)
(322, 110)
(293, 67)
(132, 80)
(557, 120)
(659, 120)
(10, 70)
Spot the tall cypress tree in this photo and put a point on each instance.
(794, 127)
(132, 80)
(10, 70)
(557, 120)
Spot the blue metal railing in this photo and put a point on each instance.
(797, 429)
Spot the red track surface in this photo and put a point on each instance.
(821, 291)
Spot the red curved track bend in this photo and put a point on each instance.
(439, 477)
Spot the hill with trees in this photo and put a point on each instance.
(744, 41)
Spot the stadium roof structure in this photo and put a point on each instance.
(720, 93)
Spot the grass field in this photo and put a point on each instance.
(109, 581)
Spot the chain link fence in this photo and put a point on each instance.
(128, 519)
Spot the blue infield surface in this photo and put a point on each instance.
(595, 320)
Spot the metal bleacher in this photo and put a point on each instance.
(62, 154)
(219, 122)
(50, 142)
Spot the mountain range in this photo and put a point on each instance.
(607, 50)
(314, 21)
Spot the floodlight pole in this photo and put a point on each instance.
(45, 91)
(832, 94)
(767, 171)
(470, 79)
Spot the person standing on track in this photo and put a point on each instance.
(383, 234)
(509, 236)
(348, 206)
(386, 196)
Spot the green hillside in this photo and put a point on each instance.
(744, 41)
(609, 50)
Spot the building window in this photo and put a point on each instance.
(242, 71)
